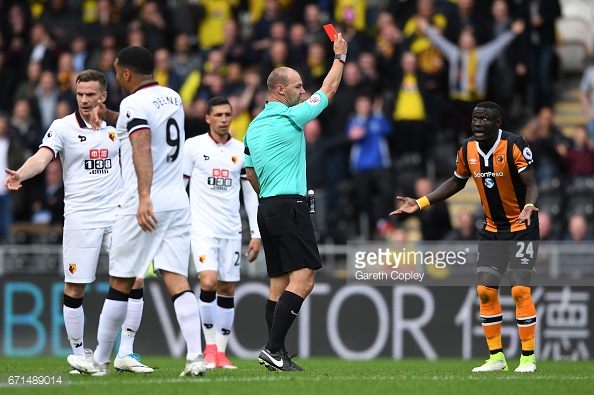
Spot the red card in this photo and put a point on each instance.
(330, 31)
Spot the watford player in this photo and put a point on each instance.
(501, 165)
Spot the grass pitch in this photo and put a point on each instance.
(322, 376)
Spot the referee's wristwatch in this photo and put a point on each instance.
(341, 57)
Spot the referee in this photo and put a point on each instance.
(275, 165)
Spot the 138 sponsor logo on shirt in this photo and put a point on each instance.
(99, 161)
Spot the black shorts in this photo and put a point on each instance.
(287, 235)
(497, 250)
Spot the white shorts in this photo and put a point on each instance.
(80, 251)
(168, 247)
(220, 255)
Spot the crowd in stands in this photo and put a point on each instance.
(415, 70)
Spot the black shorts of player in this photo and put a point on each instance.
(287, 235)
(497, 250)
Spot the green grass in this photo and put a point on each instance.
(323, 376)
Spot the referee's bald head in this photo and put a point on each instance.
(278, 76)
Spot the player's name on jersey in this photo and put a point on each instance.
(167, 101)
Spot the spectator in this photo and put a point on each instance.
(546, 145)
(388, 49)
(370, 161)
(577, 233)
(47, 207)
(40, 48)
(313, 23)
(469, 67)
(241, 103)
(163, 73)
(102, 23)
(8, 74)
(80, 53)
(46, 98)
(297, 44)
(541, 16)
(26, 88)
(355, 11)
(154, 26)
(409, 114)
(430, 59)
(211, 32)
(61, 22)
(464, 17)
(183, 59)
(579, 157)
(27, 129)
(509, 66)
(465, 229)
(261, 40)
(316, 62)
(12, 156)
(435, 219)
(369, 72)
(232, 47)
(547, 232)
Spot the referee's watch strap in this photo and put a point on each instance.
(341, 57)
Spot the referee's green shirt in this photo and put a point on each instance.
(275, 145)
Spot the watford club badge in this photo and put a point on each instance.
(72, 268)
(112, 136)
(202, 258)
(234, 159)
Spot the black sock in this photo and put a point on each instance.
(492, 352)
(269, 313)
(286, 311)
(527, 353)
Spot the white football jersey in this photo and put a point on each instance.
(160, 110)
(91, 170)
(215, 172)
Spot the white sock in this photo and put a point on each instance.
(225, 318)
(188, 317)
(208, 313)
(110, 321)
(131, 325)
(74, 321)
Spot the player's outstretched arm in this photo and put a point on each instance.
(32, 167)
(450, 187)
(143, 165)
(529, 180)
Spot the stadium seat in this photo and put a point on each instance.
(575, 43)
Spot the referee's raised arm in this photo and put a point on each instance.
(332, 80)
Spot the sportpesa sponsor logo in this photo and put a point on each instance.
(488, 174)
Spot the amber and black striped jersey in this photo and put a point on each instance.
(497, 177)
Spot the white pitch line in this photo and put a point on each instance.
(280, 377)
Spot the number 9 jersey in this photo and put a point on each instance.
(157, 110)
